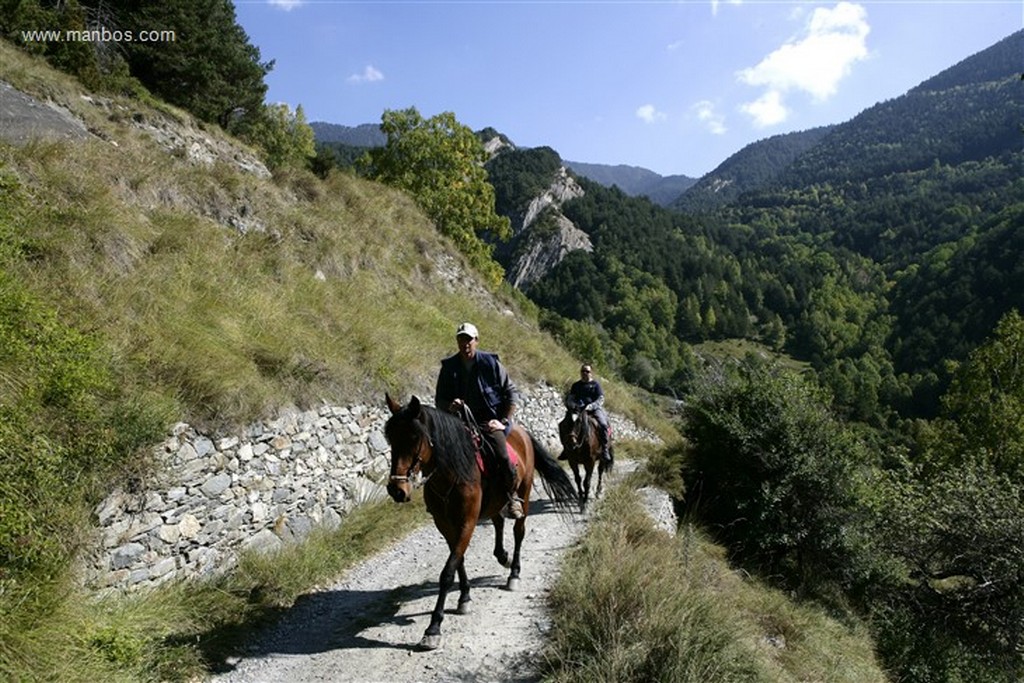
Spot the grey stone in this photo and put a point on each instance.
(216, 485)
(264, 541)
(377, 442)
(126, 555)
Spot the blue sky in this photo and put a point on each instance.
(672, 86)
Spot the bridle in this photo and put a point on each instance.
(417, 464)
(580, 433)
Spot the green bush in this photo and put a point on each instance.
(774, 474)
(956, 612)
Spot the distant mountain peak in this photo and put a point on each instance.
(363, 135)
(635, 181)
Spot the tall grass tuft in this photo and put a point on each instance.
(632, 604)
(624, 610)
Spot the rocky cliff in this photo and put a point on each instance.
(542, 235)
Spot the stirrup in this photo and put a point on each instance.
(513, 508)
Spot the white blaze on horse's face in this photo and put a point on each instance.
(403, 467)
(404, 453)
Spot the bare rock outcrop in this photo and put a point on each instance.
(542, 235)
(25, 118)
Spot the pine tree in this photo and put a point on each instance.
(209, 67)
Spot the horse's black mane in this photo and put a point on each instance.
(453, 445)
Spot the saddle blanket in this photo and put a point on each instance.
(513, 457)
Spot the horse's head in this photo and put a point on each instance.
(406, 431)
(565, 429)
(573, 430)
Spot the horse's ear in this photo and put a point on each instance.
(414, 405)
(393, 405)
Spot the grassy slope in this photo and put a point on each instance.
(126, 242)
(337, 298)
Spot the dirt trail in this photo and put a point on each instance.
(367, 626)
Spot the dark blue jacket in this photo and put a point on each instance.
(582, 392)
(487, 389)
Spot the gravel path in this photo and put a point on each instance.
(367, 627)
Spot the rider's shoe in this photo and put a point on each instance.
(564, 455)
(513, 509)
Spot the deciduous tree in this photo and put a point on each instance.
(439, 161)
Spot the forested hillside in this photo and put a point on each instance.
(752, 167)
(829, 251)
(885, 257)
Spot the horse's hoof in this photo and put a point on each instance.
(430, 642)
(464, 608)
(513, 583)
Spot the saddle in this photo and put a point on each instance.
(480, 444)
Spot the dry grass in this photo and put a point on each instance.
(632, 604)
(331, 300)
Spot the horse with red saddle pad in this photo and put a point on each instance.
(442, 451)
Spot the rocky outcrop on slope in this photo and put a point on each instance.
(540, 253)
(24, 118)
(542, 235)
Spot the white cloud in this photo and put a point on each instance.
(834, 41)
(707, 115)
(767, 110)
(716, 3)
(649, 114)
(370, 74)
(286, 5)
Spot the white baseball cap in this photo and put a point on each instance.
(467, 329)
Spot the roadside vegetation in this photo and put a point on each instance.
(634, 604)
(185, 629)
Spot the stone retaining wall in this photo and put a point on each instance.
(218, 495)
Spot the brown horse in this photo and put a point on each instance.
(441, 449)
(582, 446)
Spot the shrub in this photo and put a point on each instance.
(774, 473)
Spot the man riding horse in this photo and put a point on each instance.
(587, 396)
(478, 381)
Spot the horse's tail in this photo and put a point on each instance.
(556, 480)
